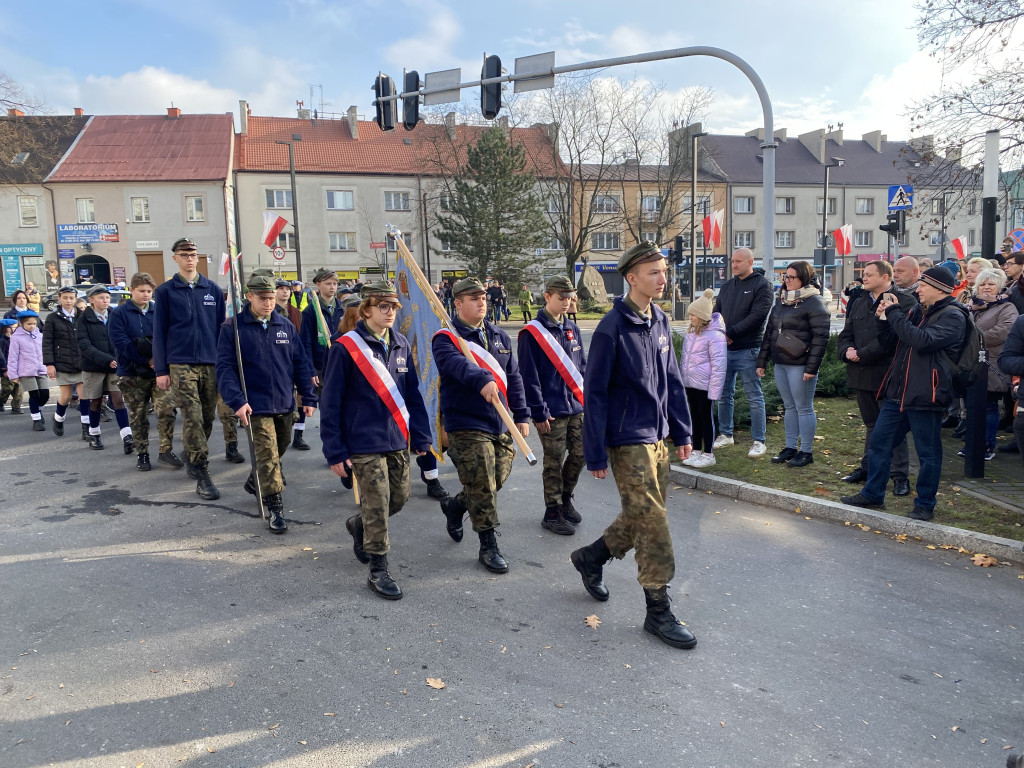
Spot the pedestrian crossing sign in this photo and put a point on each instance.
(901, 197)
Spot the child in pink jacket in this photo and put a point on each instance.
(25, 363)
(703, 365)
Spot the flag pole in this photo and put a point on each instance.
(441, 312)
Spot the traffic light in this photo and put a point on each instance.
(677, 251)
(490, 95)
(387, 111)
(892, 225)
(411, 104)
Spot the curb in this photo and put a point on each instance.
(929, 533)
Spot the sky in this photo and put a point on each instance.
(855, 63)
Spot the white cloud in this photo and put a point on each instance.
(430, 50)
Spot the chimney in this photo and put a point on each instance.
(954, 154)
(243, 117)
(924, 145)
(12, 112)
(780, 134)
(173, 113)
(449, 125)
(757, 133)
(874, 140)
(305, 114)
(503, 124)
(79, 112)
(836, 136)
(353, 122)
(814, 142)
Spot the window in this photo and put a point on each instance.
(862, 238)
(604, 241)
(554, 205)
(392, 245)
(140, 210)
(554, 244)
(743, 239)
(937, 205)
(28, 210)
(605, 204)
(648, 237)
(445, 202)
(970, 237)
(784, 238)
(195, 208)
(785, 205)
(864, 205)
(340, 200)
(934, 238)
(446, 245)
(286, 240)
(86, 210)
(703, 204)
(279, 198)
(972, 207)
(686, 241)
(342, 241)
(396, 201)
(650, 207)
(831, 207)
(743, 205)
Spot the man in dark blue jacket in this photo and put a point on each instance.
(187, 314)
(326, 282)
(372, 412)
(273, 365)
(635, 398)
(552, 363)
(483, 449)
(917, 387)
(131, 333)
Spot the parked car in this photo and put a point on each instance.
(50, 301)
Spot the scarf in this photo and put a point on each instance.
(795, 297)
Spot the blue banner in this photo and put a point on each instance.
(21, 249)
(87, 233)
(12, 273)
(418, 321)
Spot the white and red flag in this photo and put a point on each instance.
(273, 225)
(712, 226)
(844, 239)
(959, 245)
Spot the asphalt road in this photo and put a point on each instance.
(145, 627)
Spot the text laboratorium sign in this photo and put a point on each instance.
(21, 249)
(87, 233)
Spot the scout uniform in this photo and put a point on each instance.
(98, 377)
(310, 332)
(372, 412)
(272, 364)
(60, 349)
(482, 447)
(635, 399)
(552, 363)
(186, 319)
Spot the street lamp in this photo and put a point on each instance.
(693, 214)
(838, 162)
(295, 202)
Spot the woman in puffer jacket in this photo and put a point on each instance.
(795, 339)
(703, 363)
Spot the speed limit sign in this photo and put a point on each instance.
(278, 253)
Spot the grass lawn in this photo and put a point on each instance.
(837, 451)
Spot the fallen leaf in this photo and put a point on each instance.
(330, 714)
(503, 649)
(210, 749)
(307, 549)
(559, 706)
(955, 728)
(67, 723)
(722, 723)
(930, 546)
(818, 437)
(627, 666)
(823, 491)
(302, 743)
(275, 725)
(231, 684)
(436, 683)
(984, 560)
(592, 621)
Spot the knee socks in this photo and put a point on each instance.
(83, 410)
(428, 465)
(62, 408)
(37, 400)
(121, 416)
(94, 421)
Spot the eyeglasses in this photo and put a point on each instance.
(792, 277)
(388, 308)
(188, 256)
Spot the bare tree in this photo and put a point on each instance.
(13, 96)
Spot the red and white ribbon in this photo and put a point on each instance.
(483, 358)
(563, 363)
(379, 377)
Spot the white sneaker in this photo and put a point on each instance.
(757, 449)
(723, 440)
(707, 460)
(694, 455)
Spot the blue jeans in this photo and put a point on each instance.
(798, 398)
(744, 363)
(926, 427)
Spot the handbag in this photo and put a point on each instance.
(789, 343)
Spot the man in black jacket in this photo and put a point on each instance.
(1013, 267)
(918, 387)
(1011, 362)
(867, 355)
(744, 302)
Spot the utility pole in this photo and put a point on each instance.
(295, 204)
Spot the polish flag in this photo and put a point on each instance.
(844, 239)
(712, 226)
(224, 264)
(958, 245)
(273, 225)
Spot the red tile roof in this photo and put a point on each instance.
(327, 146)
(150, 148)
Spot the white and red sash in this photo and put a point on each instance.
(379, 377)
(484, 359)
(563, 363)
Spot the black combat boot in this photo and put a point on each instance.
(38, 425)
(85, 433)
(250, 484)
(189, 467)
(490, 557)
(569, 511)
(204, 484)
(354, 525)
(434, 488)
(454, 509)
(298, 443)
(589, 561)
(170, 459)
(662, 624)
(556, 523)
(380, 580)
(95, 443)
(129, 445)
(58, 428)
(142, 464)
(231, 454)
(15, 407)
(274, 508)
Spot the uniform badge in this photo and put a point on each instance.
(569, 335)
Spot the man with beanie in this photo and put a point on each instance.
(552, 362)
(917, 387)
(63, 360)
(635, 399)
(744, 302)
(315, 346)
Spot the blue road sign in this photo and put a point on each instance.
(901, 197)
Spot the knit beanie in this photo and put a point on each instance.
(702, 307)
(939, 277)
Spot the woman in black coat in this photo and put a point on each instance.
(795, 340)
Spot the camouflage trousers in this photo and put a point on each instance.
(563, 457)
(484, 462)
(196, 390)
(10, 388)
(138, 393)
(228, 420)
(271, 435)
(641, 474)
(383, 480)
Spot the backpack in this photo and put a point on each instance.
(972, 362)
